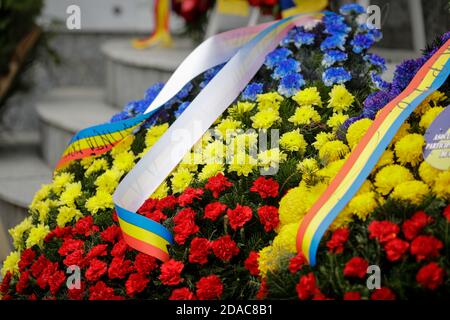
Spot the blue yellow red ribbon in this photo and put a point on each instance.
(368, 151)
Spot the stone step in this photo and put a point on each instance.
(22, 172)
(129, 71)
(66, 111)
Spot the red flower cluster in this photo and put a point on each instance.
(356, 267)
(306, 287)
(268, 215)
(184, 225)
(251, 263)
(430, 276)
(338, 239)
(217, 184)
(265, 187)
(413, 226)
(239, 216)
(225, 248)
(170, 272)
(209, 288)
(199, 251)
(189, 195)
(214, 210)
(296, 263)
(383, 231)
(426, 247)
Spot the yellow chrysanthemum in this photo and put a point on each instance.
(42, 209)
(227, 127)
(86, 162)
(240, 109)
(242, 142)
(124, 161)
(11, 263)
(333, 150)
(293, 141)
(123, 146)
(41, 194)
(265, 119)
(181, 179)
(267, 260)
(210, 170)
(390, 176)
(100, 201)
(343, 219)
(286, 239)
(308, 165)
(18, 231)
(428, 173)
(336, 120)
(37, 236)
(308, 97)
(442, 185)
(386, 158)
(271, 158)
(356, 131)
(322, 138)
(270, 100)
(409, 149)
(413, 191)
(96, 166)
(161, 192)
(243, 164)
(304, 115)
(363, 204)
(66, 215)
(61, 180)
(214, 152)
(429, 116)
(154, 133)
(331, 170)
(403, 131)
(72, 192)
(108, 180)
(340, 98)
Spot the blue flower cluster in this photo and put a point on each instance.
(332, 56)
(252, 90)
(299, 37)
(290, 84)
(277, 56)
(351, 8)
(286, 67)
(211, 73)
(376, 61)
(335, 75)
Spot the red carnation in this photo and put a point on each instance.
(148, 206)
(188, 196)
(217, 184)
(77, 294)
(296, 263)
(382, 294)
(209, 288)
(383, 231)
(239, 216)
(4, 287)
(111, 234)
(59, 232)
(265, 187)
(182, 294)
(100, 291)
(263, 290)
(214, 210)
(251, 263)
(430, 276)
(97, 251)
(39, 266)
(44, 277)
(352, 295)
(426, 247)
(85, 226)
(413, 226)
(356, 267)
(268, 215)
(306, 287)
(338, 239)
(184, 225)
(224, 248)
(70, 245)
(75, 258)
(198, 253)
(136, 283)
(168, 202)
(120, 248)
(119, 268)
(156, 215)
(96, 269)
(170, 272)
(144, 263)
(26, 258)
(395, 249)
(23, 282)
(446, 213)
(55, 281)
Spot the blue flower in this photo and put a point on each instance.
(120, 116)
(362, 41)
(335, 75)
(352, 8)
(276, 56)
(136, 107)
(288, 38)
(286, 67)
(252, 90)
(376, 34)
(181, 108)
(376, 60)
(335, 24)
(378, 81)
(333, 42)
(374, 102)
(445, 37)
(209, 74)
(184, 92)
(303, 38)
(332, 56)
(350, 121)
(405, 72)
(291, 84)
(153, 91)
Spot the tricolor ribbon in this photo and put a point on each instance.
(367, 152)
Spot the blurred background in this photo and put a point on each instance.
(58, 77)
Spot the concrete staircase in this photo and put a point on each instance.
(27, 160)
